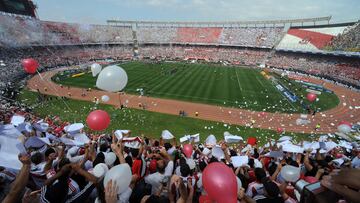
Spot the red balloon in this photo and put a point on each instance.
(30, 65)
(98, 120)
(205, 199)
(345, 123)
(220, 183)
(187, 150)
(311, 97)
(279, 130)
(252, 141)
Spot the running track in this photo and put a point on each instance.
(328, 120)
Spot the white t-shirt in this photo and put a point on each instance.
(255, 189)
(185, 179)
(169, 168)
(355, 163)
(155, 180)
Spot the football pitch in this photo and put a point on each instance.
(239, 87)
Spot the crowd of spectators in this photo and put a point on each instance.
(349, 40)
(20, 31)
(211, 54)
(63, 163)
(248, 37)
(156, 34)
(16, 30)
(337, 68)
(255, 37)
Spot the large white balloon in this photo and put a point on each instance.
(290, 173)
(105, 98)
(121, 174)
(112, 79)
(95, 69)
(343, 128)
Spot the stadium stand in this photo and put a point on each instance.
(156, 34)
(318, 38)
(349, 41)
(254, 37)
(238, 45)
(206, 53)
(333, 67)
(198, 35)
(246, 37)
(27, 31)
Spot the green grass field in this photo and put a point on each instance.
(205, 83)
(144, 122)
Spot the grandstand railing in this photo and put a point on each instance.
(216, 24)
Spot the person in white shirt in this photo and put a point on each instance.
(355, 163)
(156, 179)
(256, 188)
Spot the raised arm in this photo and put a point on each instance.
(307, 164)
(20, 182)
(88, 176)
(117, 149)
(226, 152)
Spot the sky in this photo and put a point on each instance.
(98, 11)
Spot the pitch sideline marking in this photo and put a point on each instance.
(238, 80)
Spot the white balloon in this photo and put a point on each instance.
(290, 173)
(95, 69)
(121, 174)
(343, 128)
(105, 98)
(112, 79)
(110, 158)
(100, 170)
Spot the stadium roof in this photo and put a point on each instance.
(219, 23)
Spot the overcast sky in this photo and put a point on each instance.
(98, 11)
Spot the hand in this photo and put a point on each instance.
(52, 156)
(24, 159)
(321, 171)
(176, 180)
(111, 192)
(241, 193)
(189, 184)
(30, 196)
(282, 188)
(224, 146)
(298, 158)
(282, 162)
(117, 147)
(163, 152)
(345, 183)
(134, 178)
(309, 150)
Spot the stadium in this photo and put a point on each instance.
(255, 110)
